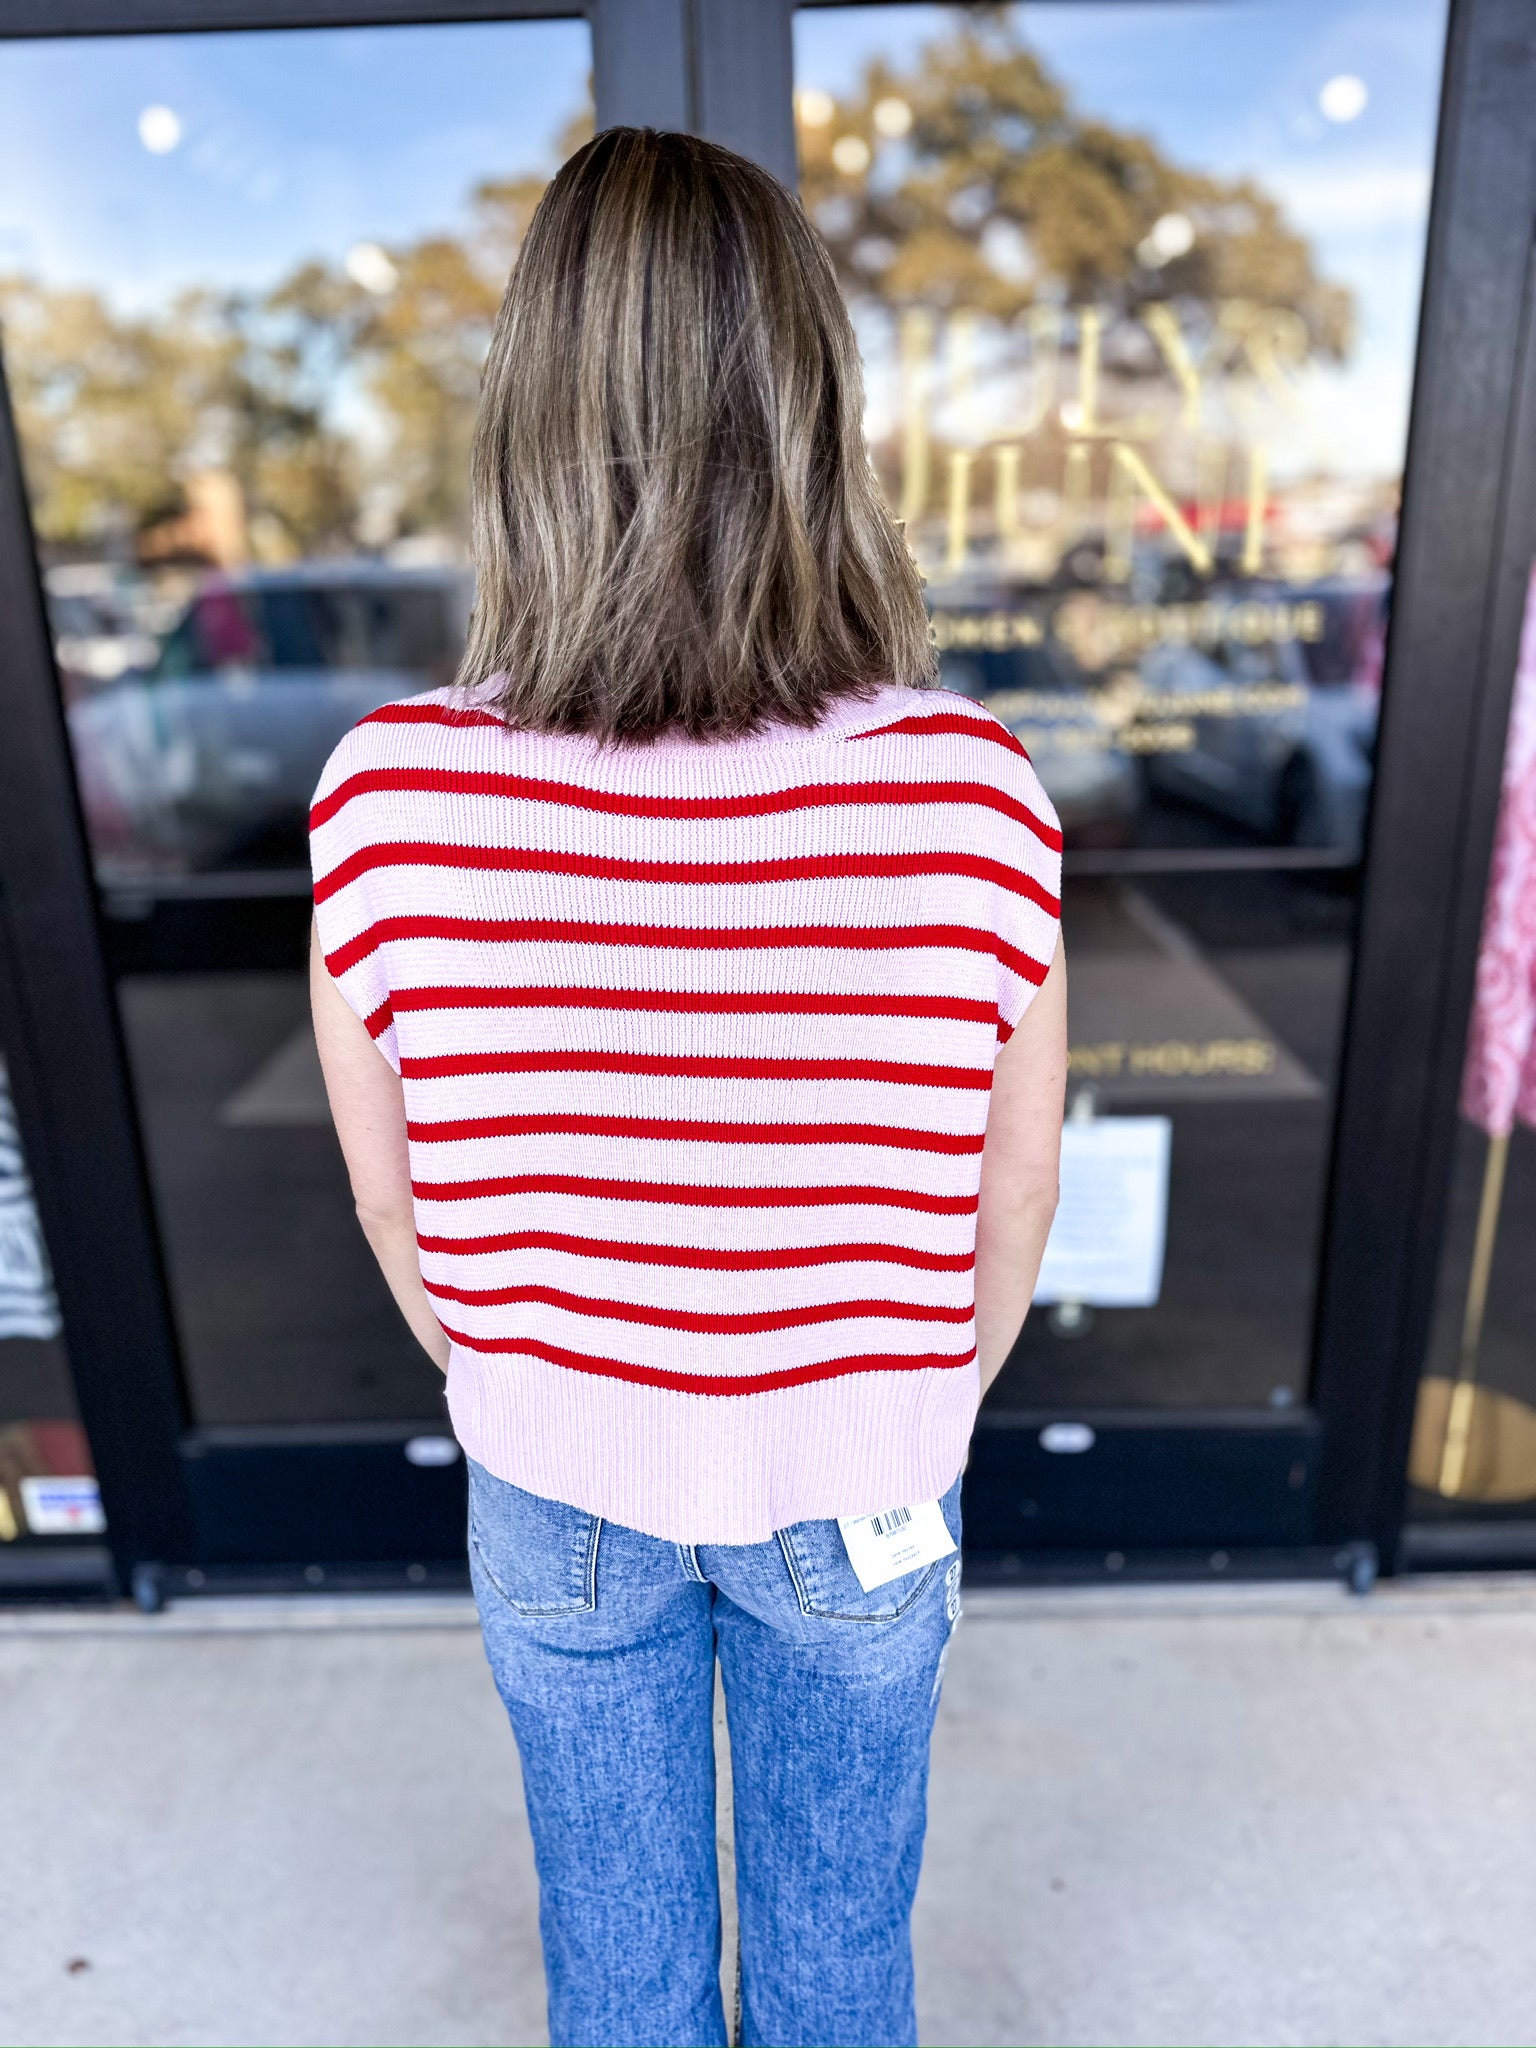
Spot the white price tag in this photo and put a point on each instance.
(881, 1547)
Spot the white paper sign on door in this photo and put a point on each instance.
(1106, 1245)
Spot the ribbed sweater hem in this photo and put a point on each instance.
(692, 1468)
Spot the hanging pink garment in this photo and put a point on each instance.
(1499, 1084)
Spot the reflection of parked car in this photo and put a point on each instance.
(213, 755)
(1299, 773)
(1354, 627)
(96, 638)
(1092, 784)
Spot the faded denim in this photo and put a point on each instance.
(603, 1644)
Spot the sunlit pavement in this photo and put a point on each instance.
(1253, 1815)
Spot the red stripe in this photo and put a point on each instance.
(430, 714)
(742, 1325)
(1022, 964)
(686, 1129)
(958, 1008)
(489, 931)
(699, 1258)
(440, 1065)
(949, 721)
(616, 803)
(713, 1383)
(686, 1195)
(700, 873)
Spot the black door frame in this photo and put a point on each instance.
(1315, 1488)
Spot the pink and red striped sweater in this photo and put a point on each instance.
(696, 1043)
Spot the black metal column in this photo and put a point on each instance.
(1463, 559)
(642, 63)
(743, 70)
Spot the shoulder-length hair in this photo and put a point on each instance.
(675, 523)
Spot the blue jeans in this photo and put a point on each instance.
(603, 1645)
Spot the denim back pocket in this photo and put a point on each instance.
(540, 1555)
(827, 1586)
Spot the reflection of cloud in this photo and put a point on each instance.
(239, 158)
(1351, 199)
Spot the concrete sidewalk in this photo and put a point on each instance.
(1240, 1816)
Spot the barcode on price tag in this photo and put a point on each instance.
(882, 1547)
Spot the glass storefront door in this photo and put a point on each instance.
(246, 283)
(1138, 289)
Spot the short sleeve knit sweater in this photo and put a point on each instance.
(696, 1042)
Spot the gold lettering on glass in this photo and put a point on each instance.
(960, 461)
(916, 332)
(1129, 459)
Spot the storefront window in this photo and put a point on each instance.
(1137, 287)
(47, 1483)
(246, 285)
(1474, 1442)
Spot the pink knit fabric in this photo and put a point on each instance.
(1499, 1083)
(697, 1042)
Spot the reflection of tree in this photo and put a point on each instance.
(118, 411)
(970, 180)
(965, 197)
(100, 400)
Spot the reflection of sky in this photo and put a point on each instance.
(295, 144)
(300, 143)
(1233, 90)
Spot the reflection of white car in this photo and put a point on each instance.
(1299, 774)
(1093, 786)
(95, 635)
(213, 755)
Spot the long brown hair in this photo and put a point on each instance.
(675, 521)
